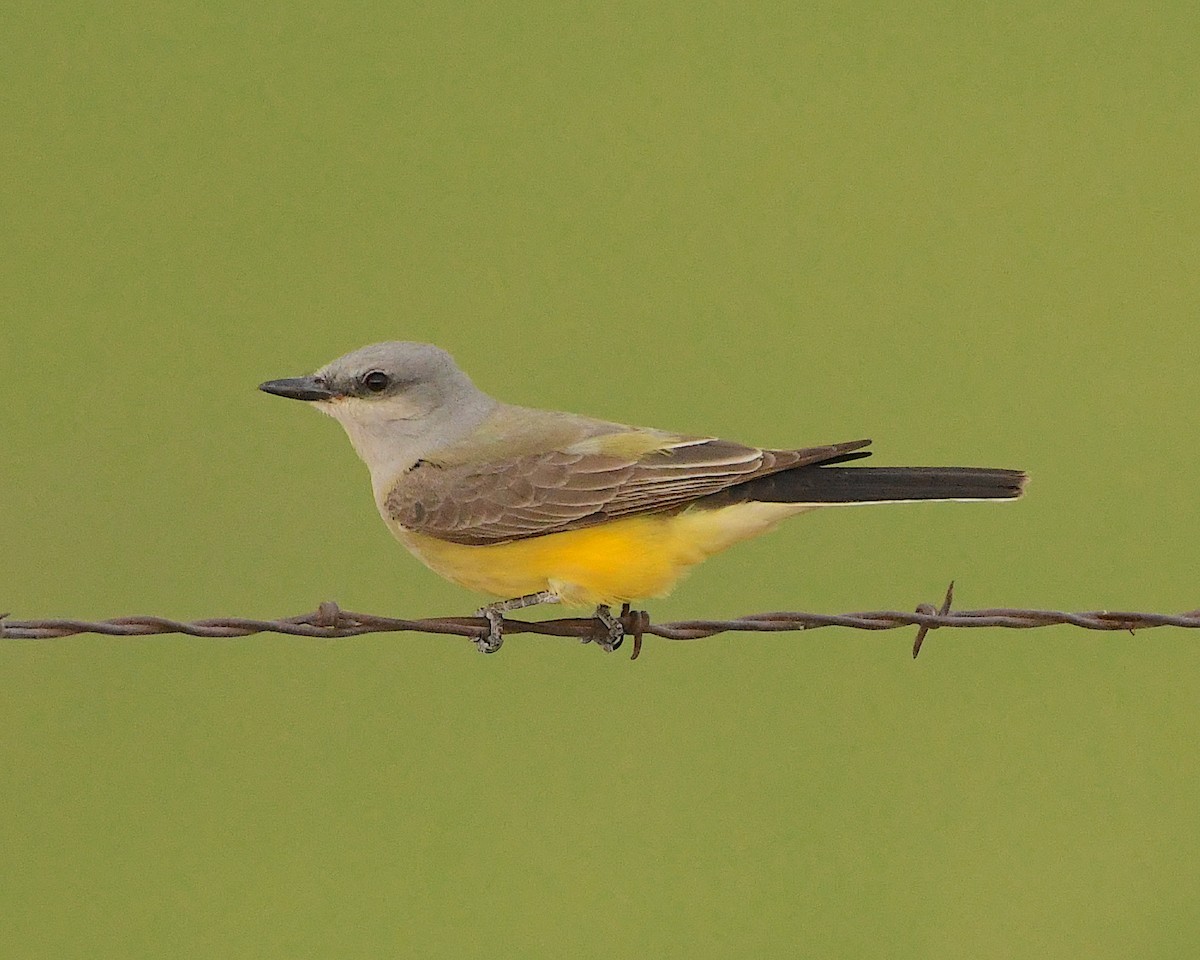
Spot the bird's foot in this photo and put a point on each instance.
(491, 641)
(613, 632)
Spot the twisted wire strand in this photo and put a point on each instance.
(330, 622)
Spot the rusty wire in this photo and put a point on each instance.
(329, 622)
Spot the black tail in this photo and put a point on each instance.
(820, 484)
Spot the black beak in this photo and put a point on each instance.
(298, 388)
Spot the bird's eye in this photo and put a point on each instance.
(376, 381)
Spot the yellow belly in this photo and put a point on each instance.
(614, 562)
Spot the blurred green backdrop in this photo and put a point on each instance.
(972, 234)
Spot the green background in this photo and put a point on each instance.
(971, 234)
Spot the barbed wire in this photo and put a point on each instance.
(330, 622)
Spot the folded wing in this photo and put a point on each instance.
(572, 488)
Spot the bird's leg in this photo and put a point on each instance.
(494, 614)
(529, 600)
(616, 632)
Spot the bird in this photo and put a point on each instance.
(537, 506)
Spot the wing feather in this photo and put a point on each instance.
(559, 490)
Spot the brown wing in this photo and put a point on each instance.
(561, 490)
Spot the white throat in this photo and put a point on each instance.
(391, 436)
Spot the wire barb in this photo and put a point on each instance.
(329, 621)
(927, 609)
(636, 623)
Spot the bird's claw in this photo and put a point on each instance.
(491, 641)
(613, 631)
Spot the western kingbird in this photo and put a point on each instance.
(546, 507)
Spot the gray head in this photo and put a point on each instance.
(398, 401)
